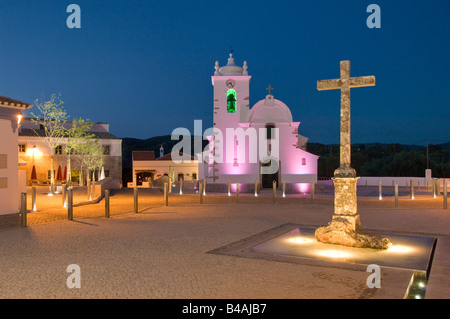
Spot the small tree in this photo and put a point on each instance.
(91, 155)
(51, 119)
(77, 135)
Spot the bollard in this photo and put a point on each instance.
(204, 186)
(438, 187)
(433, 188)
(23, 209)
(33, 199)
(256, 187)
(396, 195)
(274, 192)
(136, 204)
(170, 185)
(200, 192)
(284, 188)
(166, 194)
(181, 186)
(380, 193)
(88, 189)
(313, 186)
(64, 196)
(70, 203)
(411, 195)
(93, 189)
(237, 192)
(229, 187)
(445, 196)
(107, 203)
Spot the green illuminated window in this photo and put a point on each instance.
(231, 101)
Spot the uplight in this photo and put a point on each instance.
(300, 240)
(334, 254)
(399, 249)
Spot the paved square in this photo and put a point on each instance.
(163, 252)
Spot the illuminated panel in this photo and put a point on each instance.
(231, 101)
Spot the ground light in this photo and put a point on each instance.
(417, 286)
(406, 252)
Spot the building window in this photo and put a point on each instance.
(231, 101)
(194, 176)
(58, 150)
(181, 177)
(106, 150)
(303, 161)
(270, 131)
(22, 148)
(49, 174)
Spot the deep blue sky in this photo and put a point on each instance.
(145, 66)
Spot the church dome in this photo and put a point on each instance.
(231, 68)
(270, 110)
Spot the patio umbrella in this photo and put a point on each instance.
(59, 175)
(33, 173)
(65, 173)
(102, 174)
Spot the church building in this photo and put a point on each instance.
(253, 144)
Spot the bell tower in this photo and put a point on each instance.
(231, 94)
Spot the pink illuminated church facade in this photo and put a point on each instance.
(258, 145)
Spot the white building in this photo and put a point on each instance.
(147, 168)
(12, 174)
(264, 143)
(36, 153)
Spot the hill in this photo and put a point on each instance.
(371, 159)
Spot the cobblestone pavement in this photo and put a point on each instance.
(162, 252)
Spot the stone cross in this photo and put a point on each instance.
(269, 89)
(345, 83)
(345, 226)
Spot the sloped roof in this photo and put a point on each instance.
(41, 133)
(7, 101)
(144, 156)
(168, 157)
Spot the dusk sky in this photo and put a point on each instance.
(145, 67)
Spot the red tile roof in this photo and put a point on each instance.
(168, 157)
(144, 156)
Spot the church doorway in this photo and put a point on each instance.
(267, 179)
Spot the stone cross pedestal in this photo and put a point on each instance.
(345, 227)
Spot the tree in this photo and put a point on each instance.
(91, 155)
(77, 135)
(51, 119)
